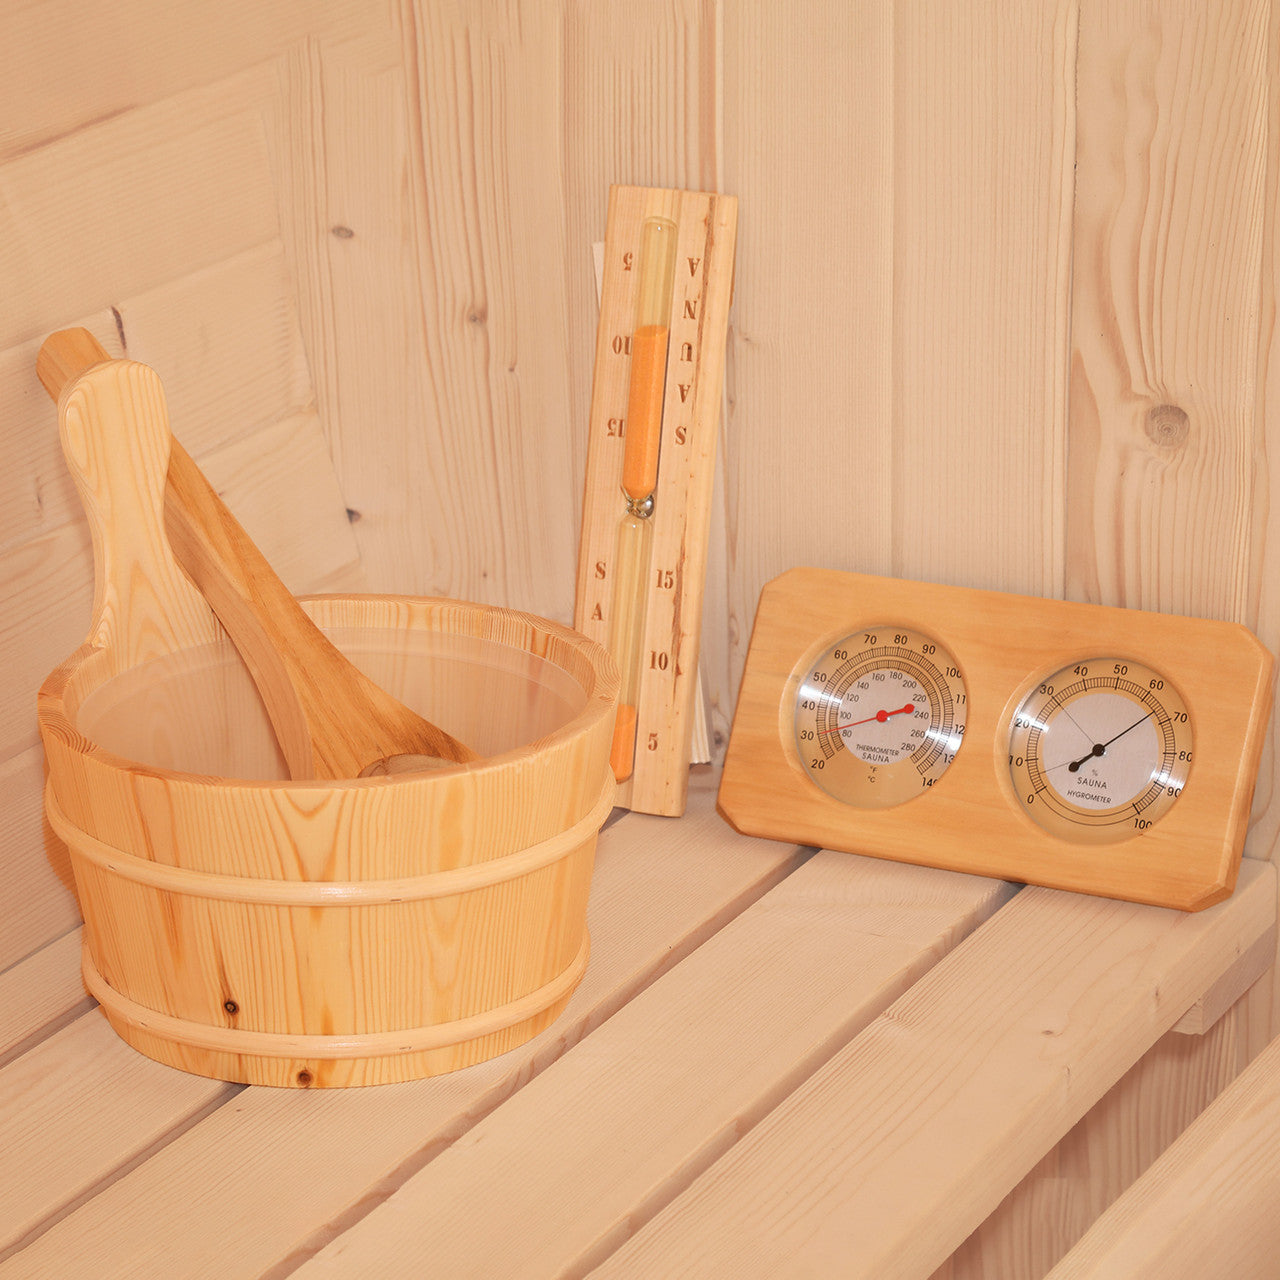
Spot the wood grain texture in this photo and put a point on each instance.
(835, 943)
(40, 904)
(885, 364)
(1168, 250)
(1044, 1217)
(671, 580)
(810, 360)
(491, 437)
(350, 922)
(83, 1069)
(660, 889)
(53, 56)
(1207, 1206)
(886, 1159)
(143, 606)
(984, 106)
(971, 819)
(897, 164)
(39, 994)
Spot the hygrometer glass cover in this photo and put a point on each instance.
(879, 716)
(1100, 750)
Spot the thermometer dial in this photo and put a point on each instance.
(879, 716)
(1100, 750)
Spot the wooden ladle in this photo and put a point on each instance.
(330, 719)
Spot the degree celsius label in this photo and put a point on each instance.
(879, 716)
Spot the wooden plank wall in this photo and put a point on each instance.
(1005, 317)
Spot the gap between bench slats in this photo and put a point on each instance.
(886, 1159)
(76, 1108)
(279, 1171)
(40, 995)
(1207, 1206)
(559, 1176)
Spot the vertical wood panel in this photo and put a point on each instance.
(486, 85)
(896, 373)
(1168, 490)
(1168, 249)
(983, 153)
(640, 109)
(1170, 487)
(1264, 575)
(808, 150)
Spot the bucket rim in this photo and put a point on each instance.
(601, 702)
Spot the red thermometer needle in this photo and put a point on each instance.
(881, 716)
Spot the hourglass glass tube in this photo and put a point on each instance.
(642, 434)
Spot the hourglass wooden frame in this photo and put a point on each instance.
(677, 529)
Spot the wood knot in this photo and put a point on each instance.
(303, 1077)
(231, 1007)
(1167, 426)
(343, 233)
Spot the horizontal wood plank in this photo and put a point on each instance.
(904, 1142)
(673, 1080)
(660, 889)
(1207, 1207)
(74, 1110)
(40, 994)
(185, 192)
(63, 66)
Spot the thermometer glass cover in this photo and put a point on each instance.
(879, 715)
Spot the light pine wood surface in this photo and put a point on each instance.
(1225, 1169)
(1004, 317)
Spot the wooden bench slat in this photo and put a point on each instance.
(660, 889)
(77, 1108)
(886, 1159)
(672, 1080)
(1207, 1206)
(41, 992)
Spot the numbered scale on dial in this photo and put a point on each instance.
(1100, 750)
(880, 715)
(1077, 746)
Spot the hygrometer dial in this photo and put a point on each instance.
(879, 715)
(1100, 750)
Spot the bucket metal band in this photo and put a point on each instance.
(327, 893)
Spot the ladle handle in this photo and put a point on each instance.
(330, 720)
(115, 437)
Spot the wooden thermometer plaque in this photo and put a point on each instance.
(1102, 750)
(655, 414)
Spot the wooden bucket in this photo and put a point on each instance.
(254, 929)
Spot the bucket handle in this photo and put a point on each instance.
(114, 427)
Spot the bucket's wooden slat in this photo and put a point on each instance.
(660, 889)
(202, 950)
(1207, 1207)
(674, 1079)
(907, 1139)
(76, 1108)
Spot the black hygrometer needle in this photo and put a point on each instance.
(1100, 748)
